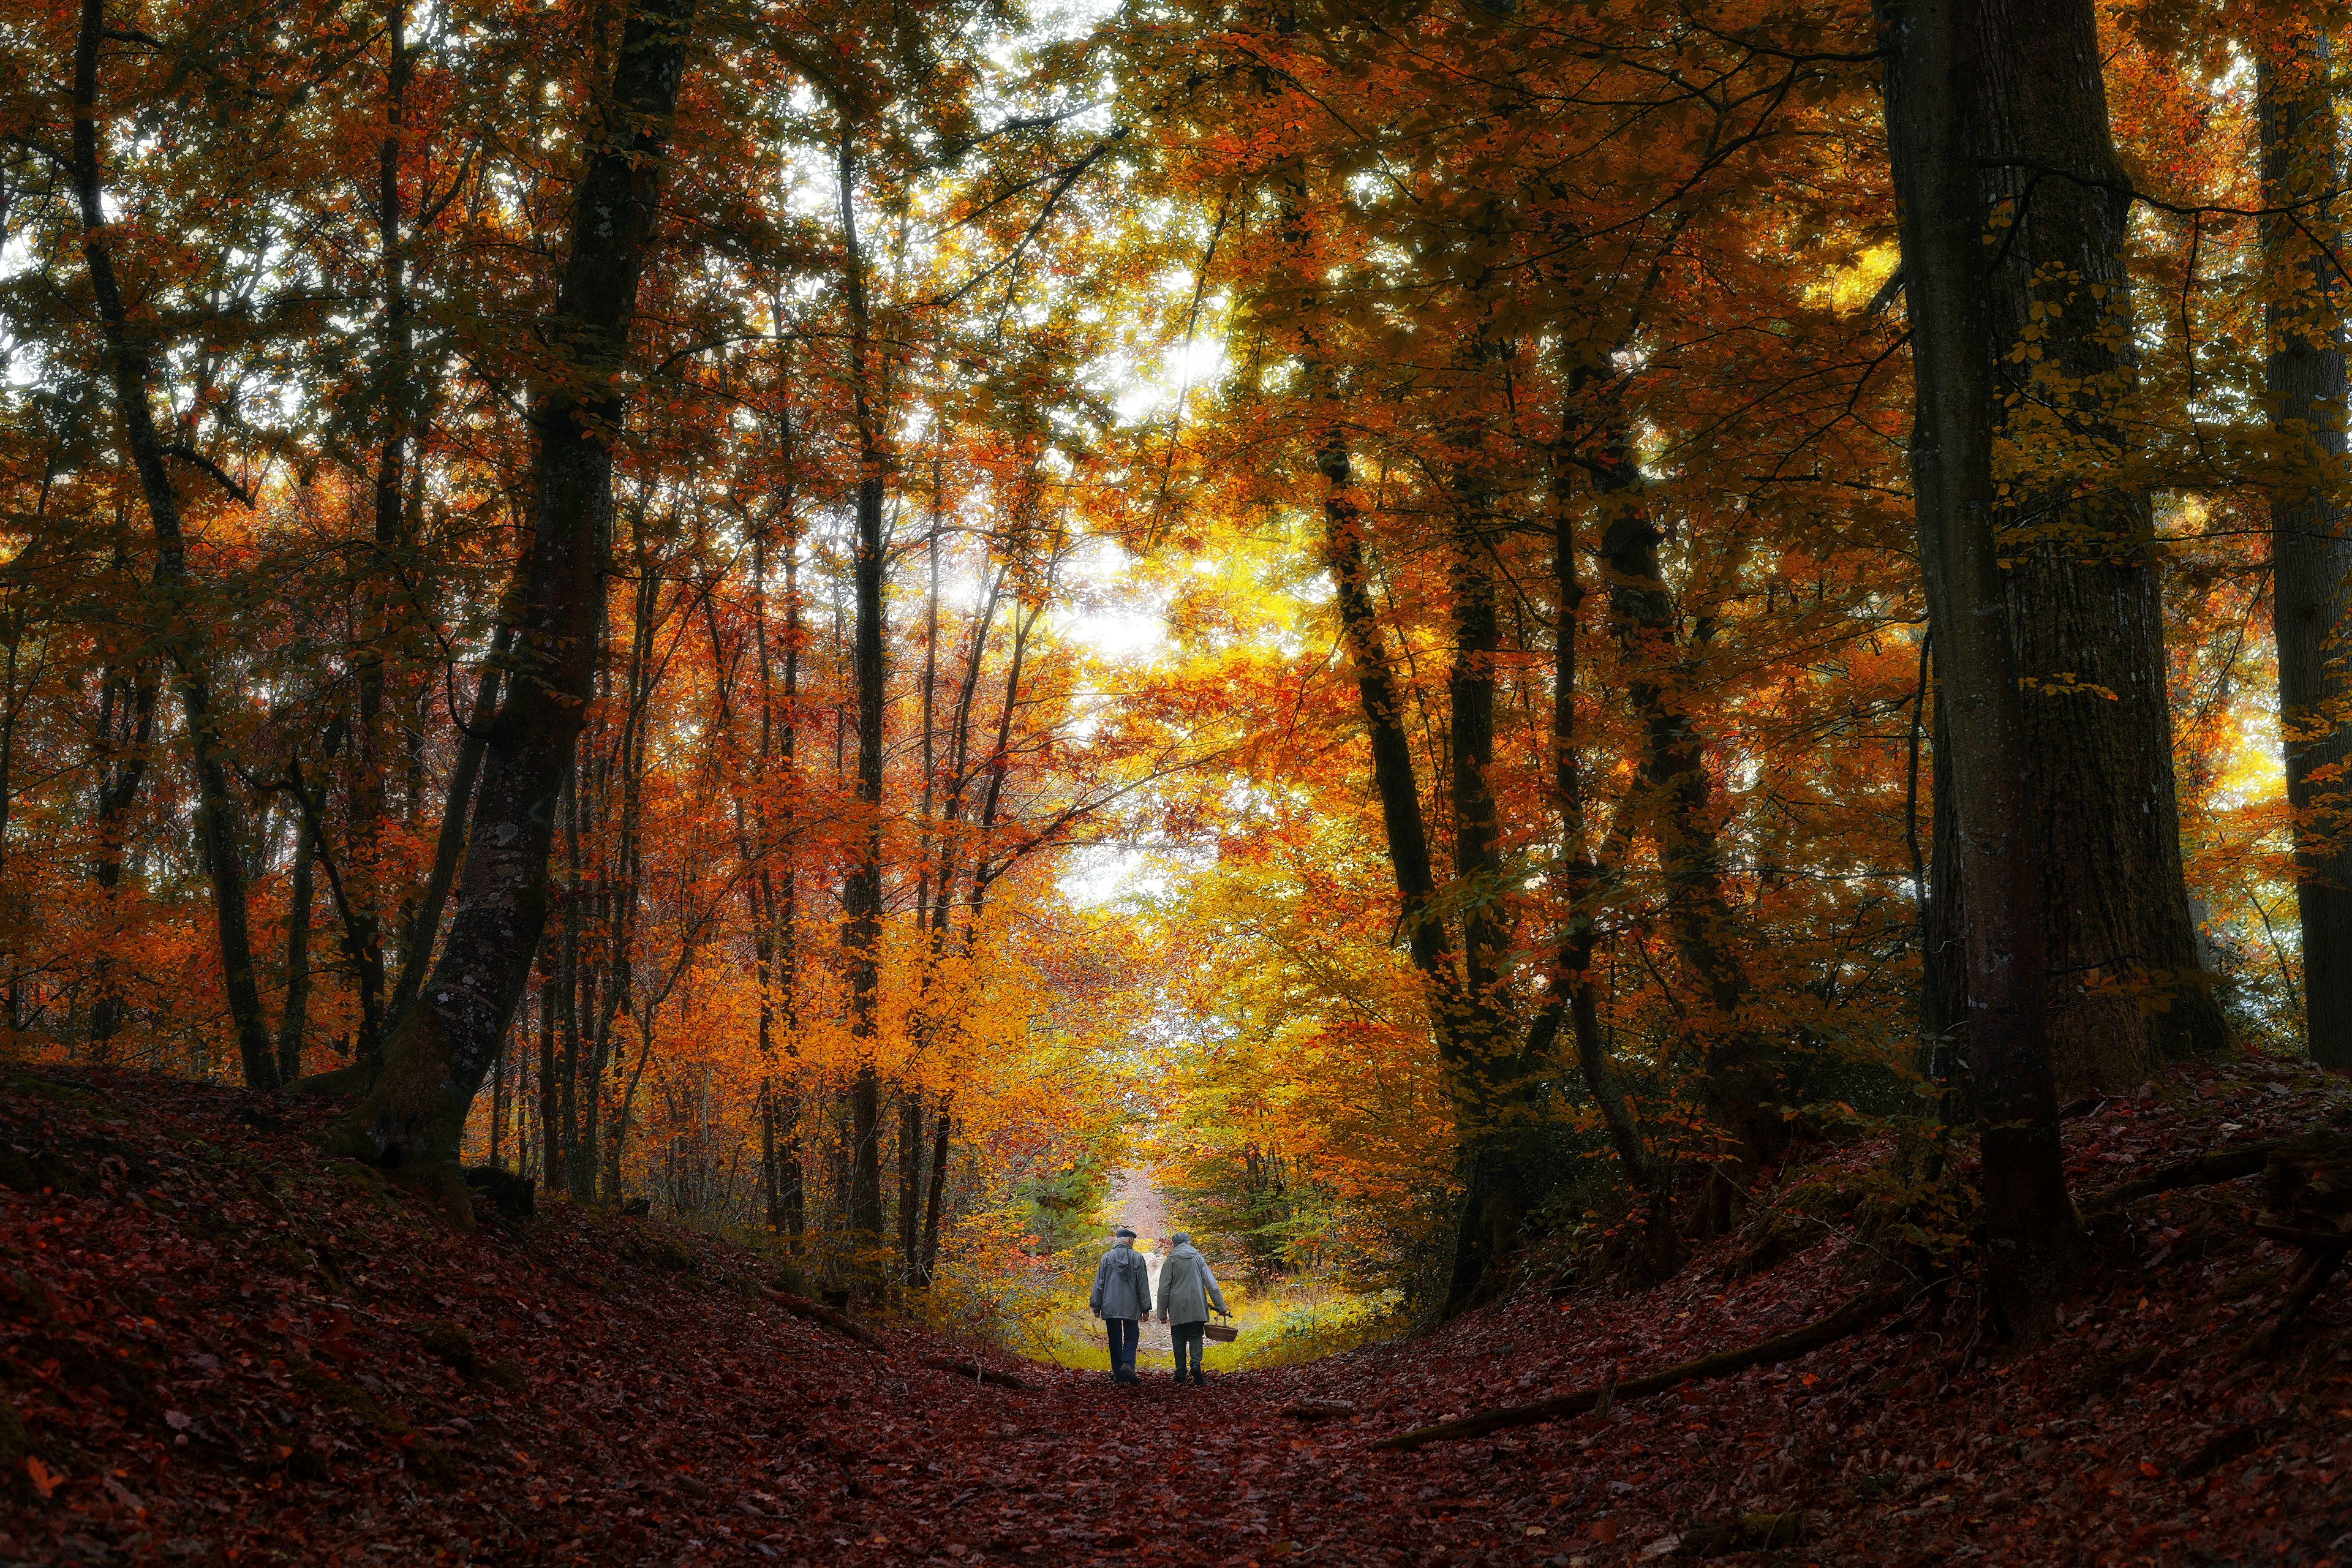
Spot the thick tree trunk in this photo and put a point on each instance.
(2084, 597)
(2311, 559)
(128, 369)
(2033, 1239)
(435, 1061)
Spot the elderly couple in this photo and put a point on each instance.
(1122, 1300)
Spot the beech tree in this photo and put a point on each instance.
(1941, 54)
(2304, 378)
(412, 1116)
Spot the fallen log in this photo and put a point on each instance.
(2216, 1166)
(975, 1371)
(802, 1307)
(1855, 1314)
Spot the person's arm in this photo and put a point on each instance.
(1094, 1302)
(1216, 1297)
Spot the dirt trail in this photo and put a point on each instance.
(1137, 1202)
(217, 1345)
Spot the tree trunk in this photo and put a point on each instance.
(435, 1061)
(1739, 1079)
(126, 728)
(929, 1263)
(910, 1187)
(569, 1007)
(550, 1141)
(128, 369)
(1486, 1062)
(793, 1202)
(2311, 559)
(308, 847)
(1392, 774)
(2033, 1239)
(376, 620)
(862, 890)
(297, 1010)
(425, 921)
(2084, 597)
(1481, 1058)
(499, 1075)
(1580, 886)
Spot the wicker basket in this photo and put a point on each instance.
(1224, 1333)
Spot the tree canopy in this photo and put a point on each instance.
(1485, 616)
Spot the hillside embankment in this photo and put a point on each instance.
(216, 1344)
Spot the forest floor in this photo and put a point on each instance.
(218, 1345)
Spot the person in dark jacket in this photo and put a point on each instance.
(1122, 1300)
(1187, 1293)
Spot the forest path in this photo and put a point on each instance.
(248, 1351)
(1137, 1202)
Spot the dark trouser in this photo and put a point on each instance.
(1124, 1332)
(1187, 1337)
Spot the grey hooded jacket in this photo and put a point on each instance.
(1187, 1289)
(1122, 1284)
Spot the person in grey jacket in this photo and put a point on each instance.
(1187, 1291)
(1122, 1300)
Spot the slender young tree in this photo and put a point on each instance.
(129, 369)
(862, 891)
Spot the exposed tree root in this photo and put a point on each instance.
(816, 1313)
(2218, 1166)
(1750, 1532)
(1318, 1409)
(353, 1078)
(974, 1370)
(1855, 1314)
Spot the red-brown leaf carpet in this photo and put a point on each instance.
(217, 1345)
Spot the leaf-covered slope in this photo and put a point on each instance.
(215, 1341)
